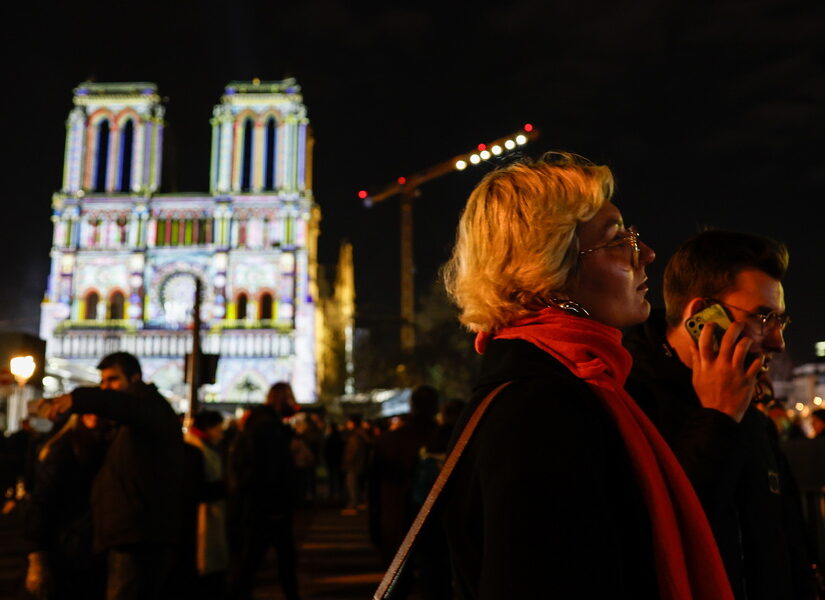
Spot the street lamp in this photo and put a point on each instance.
(22, 367)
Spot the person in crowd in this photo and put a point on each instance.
(806, 457)
(818, 422)
(701, 400)
(192, 478)
(18, 461)
(58, 519)
(313, 435)
(136, 495)
(211, 543)
(546, 273)
(261, 495)
(333, 449)
(304, 459)
(354, 462)
(392, 472)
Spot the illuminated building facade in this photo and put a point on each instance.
(125, 258)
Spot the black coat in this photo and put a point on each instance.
(544, 502)
(261, 470)
(136, 496)
(737, 469)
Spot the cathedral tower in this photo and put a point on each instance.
(125, 258)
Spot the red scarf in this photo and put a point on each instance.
(688, 564)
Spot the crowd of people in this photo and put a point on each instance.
(625, 452)
(124, 499)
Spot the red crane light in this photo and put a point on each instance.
(482, 147)
(528, 127)
(363, 194)
(402, 180)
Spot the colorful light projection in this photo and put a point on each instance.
(125, 258)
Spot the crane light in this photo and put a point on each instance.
(496, 149)
(460, 165)
(484, 154)
(363, 194)
(528, 127)
(474, 158)
(509, 144)
(521, 140)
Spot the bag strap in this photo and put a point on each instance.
(392, 574)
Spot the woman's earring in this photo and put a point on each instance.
(574, 308)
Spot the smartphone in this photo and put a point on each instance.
(716, 314)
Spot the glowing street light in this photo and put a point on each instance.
(22, 367)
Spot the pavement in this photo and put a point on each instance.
(336, 560)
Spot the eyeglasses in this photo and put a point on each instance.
(630, 239)
(767, 320)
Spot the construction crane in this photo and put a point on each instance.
(407, 188)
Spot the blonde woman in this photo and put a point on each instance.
(566, 490)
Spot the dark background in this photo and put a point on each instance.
(708, 113)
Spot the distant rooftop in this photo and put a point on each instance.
(256, 86)
(132, 88)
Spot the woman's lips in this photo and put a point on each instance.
(643, 287)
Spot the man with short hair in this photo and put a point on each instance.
(136, 495)
(701, 401)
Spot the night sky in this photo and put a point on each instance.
(709, 113)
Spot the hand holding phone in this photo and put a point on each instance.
(723, 380)
(716, 314)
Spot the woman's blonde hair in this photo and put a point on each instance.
(516, 243)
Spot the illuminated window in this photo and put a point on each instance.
(241, 303)
(160, 238)
(203, 232)
(94, 239)
(175, 226)
(246, 157)
(187, 236)
(126, 142)
(69, 231)
(90, 312)
(177, 294)
(115, 308)
(102, 158)
(265, 307)
(122, 231)
(269, 154)
(242, 233)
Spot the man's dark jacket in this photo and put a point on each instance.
(737, 470)
(544, 502)
(261, 471)
(136, 496)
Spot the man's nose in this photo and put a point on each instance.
(773, 340)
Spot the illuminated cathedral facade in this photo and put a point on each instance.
(125, 258)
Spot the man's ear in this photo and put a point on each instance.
(693, 307)
(134, 378)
